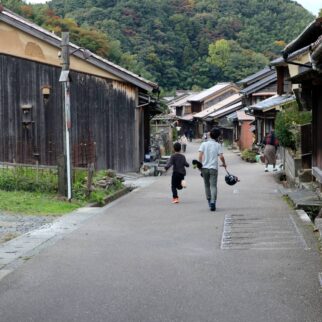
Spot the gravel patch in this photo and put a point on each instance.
(14, 225)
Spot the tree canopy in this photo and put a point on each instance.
(177, 43)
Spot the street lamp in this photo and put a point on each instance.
(65, 80)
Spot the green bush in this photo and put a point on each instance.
(175, 135)
(248, 155)
(97, 194)
(28, 179)
(286, 124)
(46, 181)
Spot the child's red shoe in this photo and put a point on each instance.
(175, 200)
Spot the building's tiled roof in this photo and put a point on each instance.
(210, 92)
(308, 36)
(187, 117)
(183, 101)
(227, 101)
(226, 111)
(293, 56)
(273, 102)
(242, 116)
(260, 84)
(257, 76)
(38, 32)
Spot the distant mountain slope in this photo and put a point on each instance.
(171, 38)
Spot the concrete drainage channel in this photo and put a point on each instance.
(318, 225)
(242, 232)
(245, 232)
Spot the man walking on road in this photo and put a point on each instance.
(208, 156)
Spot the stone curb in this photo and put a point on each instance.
(318, 224)
(303, 216)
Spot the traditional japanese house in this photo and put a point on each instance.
(244, 130)
(265, 113)
(110, 106)
(215, 115)
(208, 98)
(182, 109)
(303, 57)
(258, 86)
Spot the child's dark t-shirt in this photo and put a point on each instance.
(179, 162)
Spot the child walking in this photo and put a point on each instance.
(179, 162)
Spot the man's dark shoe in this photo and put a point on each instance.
(213, 207)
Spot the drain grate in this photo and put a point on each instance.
(253, 232)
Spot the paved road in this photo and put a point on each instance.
(145, 259)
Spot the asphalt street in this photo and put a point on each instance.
(143, 258)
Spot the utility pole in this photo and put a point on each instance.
(66, 173)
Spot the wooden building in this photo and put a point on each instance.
(265, 113)
(110, 106)
(216, 115)
(243, 129)
(208, 98)
(256, 88)
(303, 57)
(259, 86)
(181, 108)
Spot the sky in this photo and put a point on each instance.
(313, 6)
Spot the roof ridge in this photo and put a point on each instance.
(11, 15)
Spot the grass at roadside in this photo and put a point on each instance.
(35, 203)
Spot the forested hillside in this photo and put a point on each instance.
(180, 43)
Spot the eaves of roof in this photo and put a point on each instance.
(177, 98)
(281, 61)
(212, 92)
(226, 111)
(187, 117)
(305, 76)
(184, 101)
(259, 85)
(164, 117)
(242, 116)
(272, 102)
(308, 36)
(219, 105)
(38, 32)
(316, 55)
(255, 77)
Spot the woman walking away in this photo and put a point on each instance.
(271, 144)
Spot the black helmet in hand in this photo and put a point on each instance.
(231, 179)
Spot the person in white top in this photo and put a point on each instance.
(209, 152)
(183, 141)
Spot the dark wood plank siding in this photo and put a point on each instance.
(316, 127)
(306, 138)
(102, 114)
(21, 83)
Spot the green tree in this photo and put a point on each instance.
(219, 53)
(234, 62)
(179, 31)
